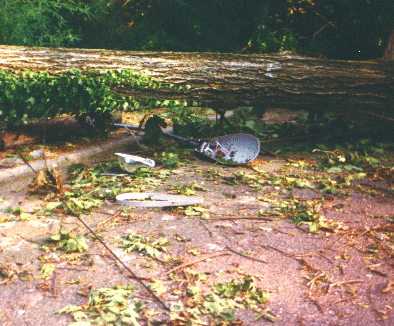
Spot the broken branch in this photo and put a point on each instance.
(246, 256)
(217, 254)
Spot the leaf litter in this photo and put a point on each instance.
(313, 194)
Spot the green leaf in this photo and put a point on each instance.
(313, 228)
(47, 270)
(68, 242)
(135, 242)
(80, 323)
(303, 184)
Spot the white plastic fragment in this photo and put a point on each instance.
(39, 153)
(156, 200)
(132, 159)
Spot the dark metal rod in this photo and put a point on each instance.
(190, 142)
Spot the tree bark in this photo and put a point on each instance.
(284, 80)
(388, 54)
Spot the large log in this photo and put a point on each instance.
(283, 80)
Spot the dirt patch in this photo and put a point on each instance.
(322, 251)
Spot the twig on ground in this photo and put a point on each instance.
(73, 269)
(246, 256)
(217, 254)
(330, 246)
(240, 218)
(27, 163)
(373, 268)
(134, 276)
(308, 265)
(342, 283)
(330, 260)
(367, 229)
(354, 296)
(31, 241)
(317, 303)
(311, 283)
(301, 321)
(389, 287)
(263, 149)
(211, 234)
(345, 245)
(386, 227)
(109, 219)
(294, 256)
(278, 250)
(280, 231)
(54, 288)
(375, 187)
(306, 230)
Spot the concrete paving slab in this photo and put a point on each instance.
(21, 175)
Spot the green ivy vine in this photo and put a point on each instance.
(27, 95)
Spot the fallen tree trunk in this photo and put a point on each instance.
(283, 80)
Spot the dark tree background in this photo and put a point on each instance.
(340, 29)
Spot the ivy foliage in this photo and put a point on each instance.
(30, 95)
